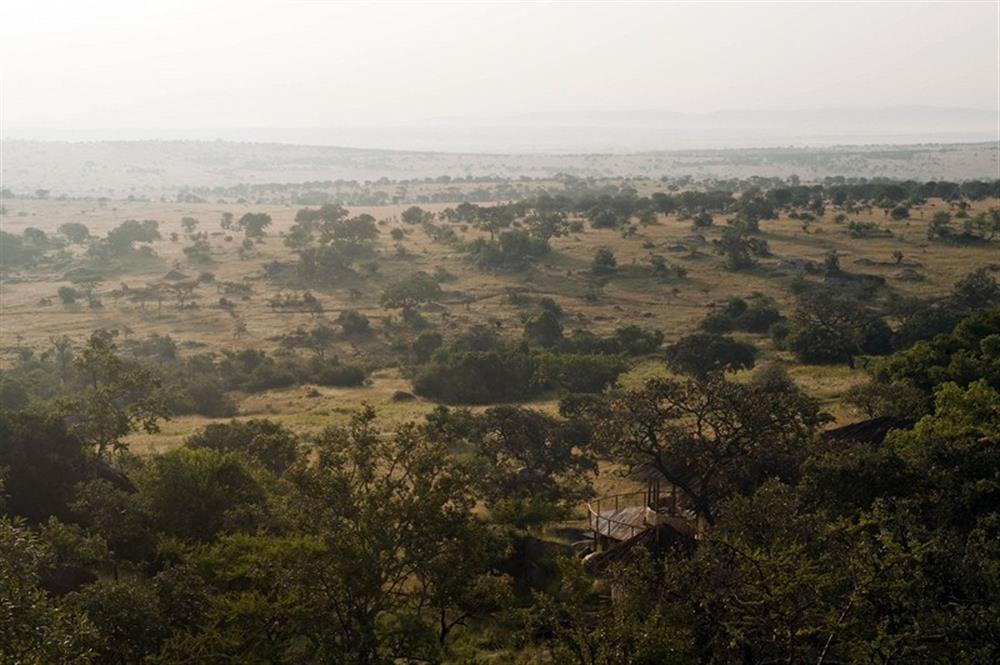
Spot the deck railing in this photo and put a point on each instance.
(601, 524)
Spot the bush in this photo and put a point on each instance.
(514, 250)
(478, 377)
(636, 341)
(195, 494)
(580, 373)
(544, 329)
(756, 317)
(700, 354)
(604, 262)
(354, 323)
(337, 375)
(68, 295)
(425, 345)
(192, 392)
(42, 462)
(969, 352)
(264, 441)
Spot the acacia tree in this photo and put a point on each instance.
(700, 354)
(75, 232)
(709, 439)
(254, 224)
(408, 293)
(738, 247)
(115, 399)
(829, 327)
(415, 215)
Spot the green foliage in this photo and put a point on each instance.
(116, 399)
(628, 340)
(425, 345)
(514, 250)
(43, 461)
(757, 316)
(34, 628)
(264, 441)
(68, 295)
(710, 439)
(15, 252)
(390, 512)
(604, 262)
(482, 370)
(579, 372)
(830, 327)
(126, 617)
(977, 290)
(199, 252)
(544, 329)
(416, 215)
(121, 239)
(196, 493)
(738, 247)
(253, 370)
(969, 353)
(477, 377)
(75, 232)
(408, 293)
(581, 627)
(701, 354)
(531, 466)
(254, 225)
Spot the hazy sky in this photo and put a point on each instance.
(172, 64)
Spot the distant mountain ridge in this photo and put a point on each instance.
(852, 118)
(578, 132)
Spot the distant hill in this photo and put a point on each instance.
(831, 120)
(575, 132)
(151, 168)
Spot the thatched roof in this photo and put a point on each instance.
(871, 431)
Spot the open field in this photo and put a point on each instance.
(32, 315)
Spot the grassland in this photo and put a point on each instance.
(471, 297)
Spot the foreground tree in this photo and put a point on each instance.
(33, 627)
(390, 512)
(711, 439)
(116, 398)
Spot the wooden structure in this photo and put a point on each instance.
(620, 517)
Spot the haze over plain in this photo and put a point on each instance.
(503, 78)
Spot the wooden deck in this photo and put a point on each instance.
(620, 524)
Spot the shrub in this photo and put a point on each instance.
(354, 323)
(580, 373)
(700, 354)
(544, 329)
(335, 374)
(195, 494)
(269, 443)
(757, 316)
(68, 295)
(604, 262)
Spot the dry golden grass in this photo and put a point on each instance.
(474, 297)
